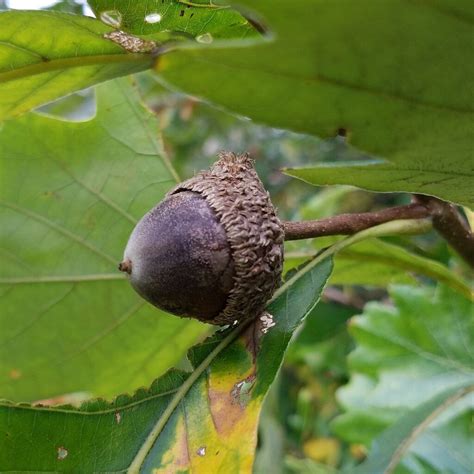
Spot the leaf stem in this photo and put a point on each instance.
(388, 228)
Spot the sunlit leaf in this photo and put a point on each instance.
(45, 55)
(204, 21)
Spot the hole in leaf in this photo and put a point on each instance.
(77, 107)
(62, 453)
(206, 38)
(153, 18)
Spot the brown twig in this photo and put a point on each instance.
(446, 220)
(347, 224)
(451, 225)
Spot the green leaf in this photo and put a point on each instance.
(46, 55)
(206, 418)
(392, 444)
(396, 75)
(378, 263)
(202, 20)
(407, 354)
(72, 194)
(448, 178)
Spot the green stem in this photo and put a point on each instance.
(411, 226)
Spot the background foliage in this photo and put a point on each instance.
(376, 377)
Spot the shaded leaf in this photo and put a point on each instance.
(321, 347)
(389, 447)
(395, 75)
(325, 321)
(71, 194)
(407, 354)
(448, 178)
(45, 55)
(206, 418)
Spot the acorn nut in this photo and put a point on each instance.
(212, 249)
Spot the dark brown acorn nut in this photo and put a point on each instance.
(212, 249)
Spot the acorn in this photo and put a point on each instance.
(212, 249)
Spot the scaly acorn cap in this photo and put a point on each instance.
(255, 235)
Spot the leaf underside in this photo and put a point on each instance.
(70, 322)
(394, 76)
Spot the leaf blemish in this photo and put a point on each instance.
(154, 17)
(342, 132)
(206, 38)
(236, 389)
(15, 374)
(131, 43)
(201, 451)
(62, 453)
(267, 322)
(240, 392)
(118, 417)
(112, 18)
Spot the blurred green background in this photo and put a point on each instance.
(296, 430)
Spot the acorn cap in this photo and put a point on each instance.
(255, 235)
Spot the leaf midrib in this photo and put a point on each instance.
(73, 62)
